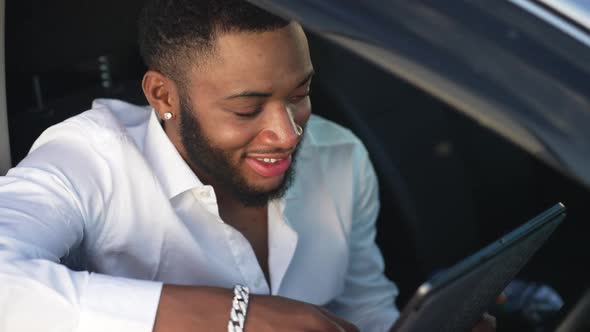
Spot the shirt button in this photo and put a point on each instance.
(204, 194)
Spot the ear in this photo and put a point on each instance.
(161, 92)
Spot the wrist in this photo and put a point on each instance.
(239, 309)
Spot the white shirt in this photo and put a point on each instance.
(106, 191)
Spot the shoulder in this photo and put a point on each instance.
(332, 144)
(323, 133)
(90, 152)
(90, 146)
(336, 164)
(106, 120)
(338, 156)
(334, 156)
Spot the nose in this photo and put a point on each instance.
(281, 130)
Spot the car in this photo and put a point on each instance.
(476, 114)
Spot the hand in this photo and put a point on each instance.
(185, 308)
(486, 324)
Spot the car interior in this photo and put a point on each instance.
(448, 185)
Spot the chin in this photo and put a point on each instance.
(267, 184)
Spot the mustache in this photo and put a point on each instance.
(292, 150)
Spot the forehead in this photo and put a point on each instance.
(267, 61)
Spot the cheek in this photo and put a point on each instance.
(230, 136)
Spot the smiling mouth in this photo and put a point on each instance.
(269, 167)
(269, 160)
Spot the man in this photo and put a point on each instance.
(225, 182)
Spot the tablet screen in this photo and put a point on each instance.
(456, 299)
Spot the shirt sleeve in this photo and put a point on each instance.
(368, 299)
(44, 214)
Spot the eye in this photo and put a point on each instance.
(298, 98)
(250, 114)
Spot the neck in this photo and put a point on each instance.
(231, 210)
(235, 213)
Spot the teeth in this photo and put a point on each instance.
(268, 160)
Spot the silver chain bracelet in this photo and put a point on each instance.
(237, 317)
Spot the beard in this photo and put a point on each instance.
(216, 163)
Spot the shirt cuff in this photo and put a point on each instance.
(119, 304)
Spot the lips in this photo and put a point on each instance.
(269, 167)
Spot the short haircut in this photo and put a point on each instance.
(177, 34)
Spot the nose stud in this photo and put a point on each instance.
(298, 129)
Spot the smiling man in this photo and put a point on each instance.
(224, 205)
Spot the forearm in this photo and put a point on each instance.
(39, 295)
(195, 309)
(40, 222)
(186, 308)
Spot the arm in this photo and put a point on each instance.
(186, 308)
(368, 296)
(43, 215)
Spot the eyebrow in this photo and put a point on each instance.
(258, 94)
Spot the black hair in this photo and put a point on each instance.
(176, 34)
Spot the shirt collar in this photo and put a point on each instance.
(172, 171)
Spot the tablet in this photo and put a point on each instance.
(455, 299)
